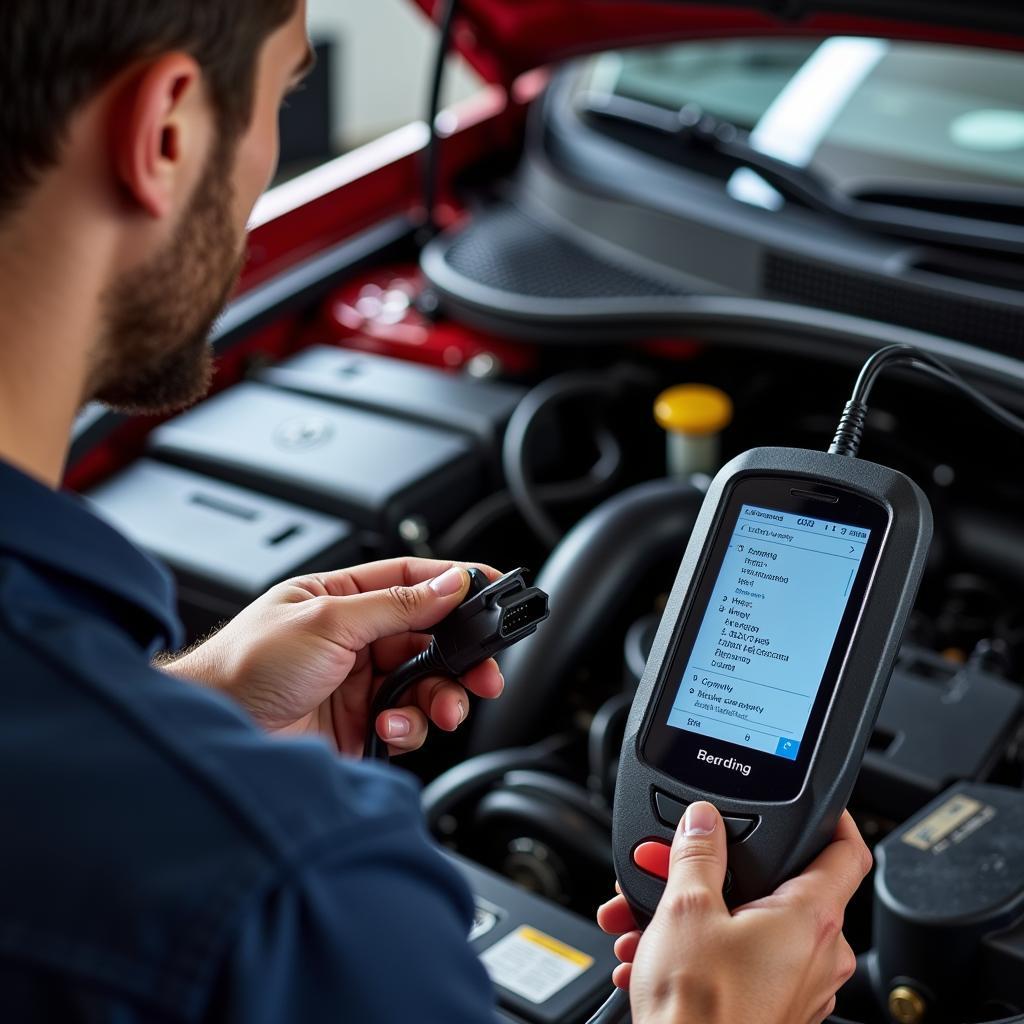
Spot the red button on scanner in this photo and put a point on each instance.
(653, 857)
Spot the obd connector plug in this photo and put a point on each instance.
(492, 618)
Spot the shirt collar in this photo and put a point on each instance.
(56, 530)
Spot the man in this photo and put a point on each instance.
(162, 859)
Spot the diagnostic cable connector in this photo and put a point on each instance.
(851, 425)
(492, 618)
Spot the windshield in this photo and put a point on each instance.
(868, 113)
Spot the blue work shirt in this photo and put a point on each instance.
(161, 860)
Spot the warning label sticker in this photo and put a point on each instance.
(534, 965)
(959, 817)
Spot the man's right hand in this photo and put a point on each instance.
(779, 960)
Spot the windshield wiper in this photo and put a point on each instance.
(988, 221)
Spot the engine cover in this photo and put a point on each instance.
(948, 881)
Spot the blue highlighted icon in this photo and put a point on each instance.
(787, 748)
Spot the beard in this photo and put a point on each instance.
(155, 356)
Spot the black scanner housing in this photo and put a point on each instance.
(785, 835)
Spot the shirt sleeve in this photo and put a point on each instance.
(370, 929)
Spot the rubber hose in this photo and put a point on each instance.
(460, 782)
(590, 578)
(522, 428)
(604, 742)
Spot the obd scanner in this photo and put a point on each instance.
(770, 665)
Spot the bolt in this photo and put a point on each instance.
(906, 1006)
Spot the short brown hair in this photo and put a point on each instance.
(56, 54)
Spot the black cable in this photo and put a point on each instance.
(432, 161)
(426, 664)
(495, 506)
(473, 522)
(851, 425)
(993, 408)
(614, 1010)
(521, 430)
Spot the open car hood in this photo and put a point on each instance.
(503, 38)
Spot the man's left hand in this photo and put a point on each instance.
(308, 656)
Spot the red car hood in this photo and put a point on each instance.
(503, 38)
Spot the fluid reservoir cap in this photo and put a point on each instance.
(694, 409)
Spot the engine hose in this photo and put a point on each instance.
(603, 743)
(449, 789)
(590, 578)
(494, 507)
(522, 430)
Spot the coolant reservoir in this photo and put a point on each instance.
(693, 417)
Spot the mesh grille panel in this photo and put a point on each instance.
(505, 250)
(977, 323)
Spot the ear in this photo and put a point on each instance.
(161, 132)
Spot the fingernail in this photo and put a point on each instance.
(398, 726)
(700, 819)
(462, 712)
(449, 582)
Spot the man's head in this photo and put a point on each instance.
(156, 123)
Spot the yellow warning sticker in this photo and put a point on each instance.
(578, 958)
(534, 965)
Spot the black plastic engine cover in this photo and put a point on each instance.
(947, 879)
(371, 469)
(940, 723)
(225, 544)
(408, 391)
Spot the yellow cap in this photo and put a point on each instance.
(697, 409)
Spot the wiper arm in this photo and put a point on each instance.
(693, 127)
(986, 202)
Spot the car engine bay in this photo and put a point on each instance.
(247, 489)
(403, 417)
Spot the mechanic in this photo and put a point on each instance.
(184, 843)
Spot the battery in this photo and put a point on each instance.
(548, 965)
